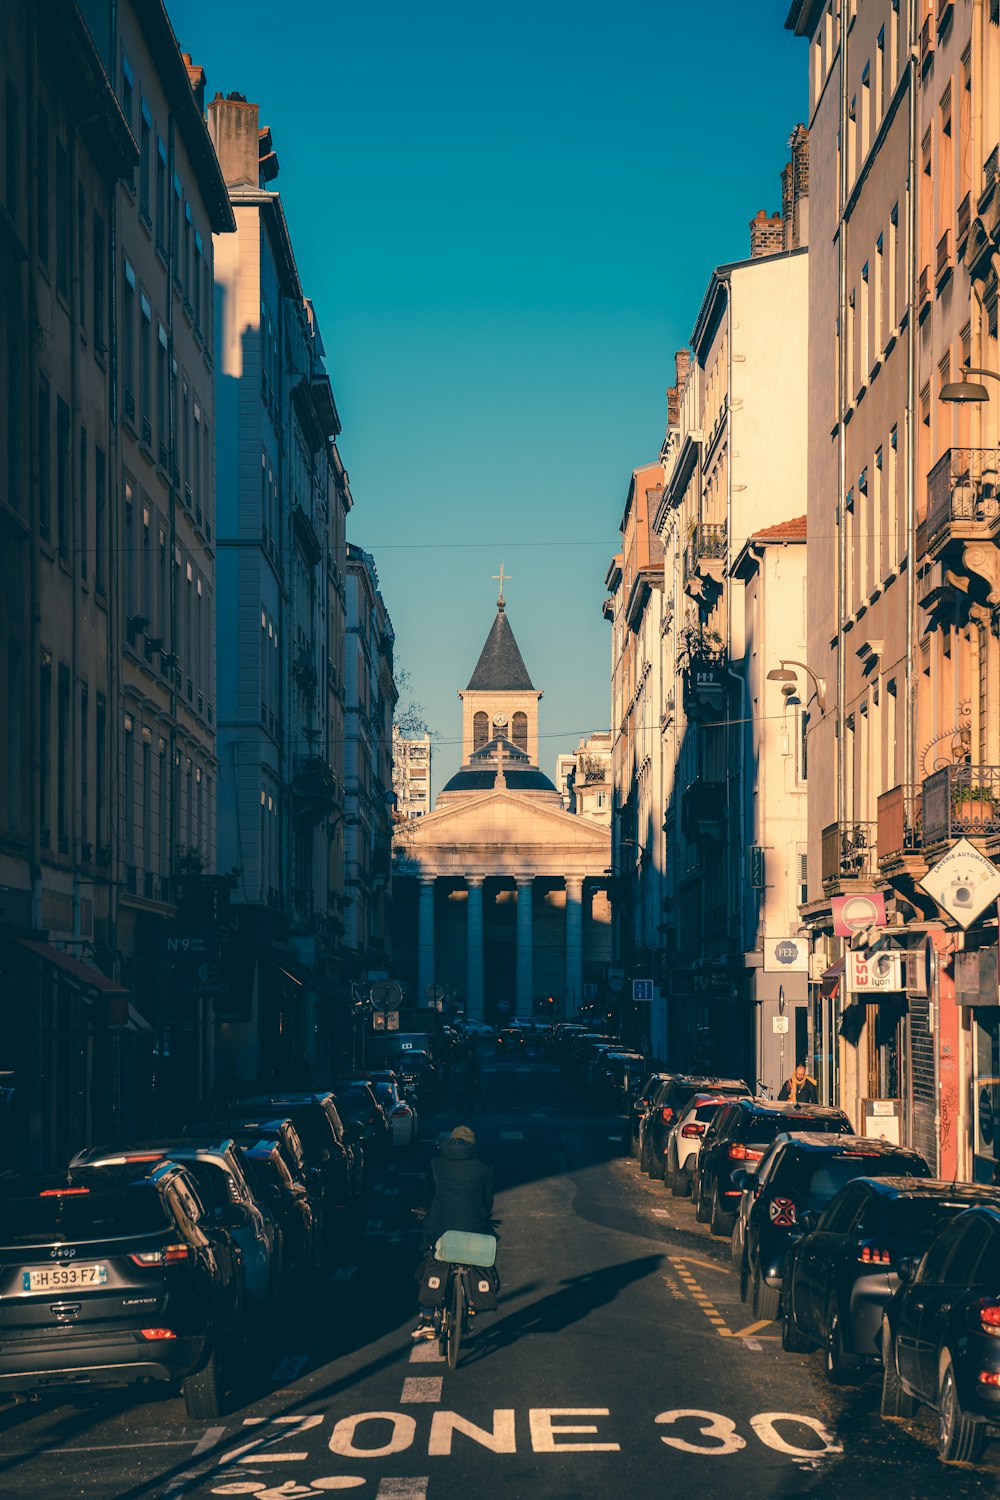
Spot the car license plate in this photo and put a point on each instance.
(63, 1278)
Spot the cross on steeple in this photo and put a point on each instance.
(500, 577)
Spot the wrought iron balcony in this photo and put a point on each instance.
(963, 497)
(314, 788)
(704, 558)
(703, 811)
(900, 824)
(849, 853)
(961, 801)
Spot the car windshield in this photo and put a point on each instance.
(761, 1129)
(313, 1128)
(79, 1215)
(815, 1179)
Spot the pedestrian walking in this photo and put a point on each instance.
(472, 1090)
(800, 1088)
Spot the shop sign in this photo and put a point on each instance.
(874, 975)
(963, 882)
(854, 913)
(786, 955)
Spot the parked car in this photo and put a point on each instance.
(797, 1178)
(511, 1039)
(616, 1078)
(250, 1128)
(400, 1111)
(666, 1106)
(737, 1138)
(330, 1145)
(116, 1278)
(684, 1141)
(474, 1029)
(222, 1177)
(841, 1275)
(287, 1197)
(358, 1104)
(941, 1336)
(640, 1103)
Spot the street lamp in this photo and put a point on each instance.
(782, 674)
(966, 392)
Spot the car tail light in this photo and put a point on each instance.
(157, 1333)
(989, 1318)
(989, 1377)
(782, 1211)
(692, 1132)
(62, 1192)
(739, 1152)
(666, 1114)
(875, 1255)
(168, 1256)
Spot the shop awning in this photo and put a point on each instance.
(831, 979)
(82, 975)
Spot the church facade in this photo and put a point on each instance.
(500, 896)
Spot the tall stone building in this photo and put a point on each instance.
(283, 501)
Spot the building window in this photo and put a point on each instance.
(62, 759)
(98, 284)
(62, 477)
(13, 414)
(100, 773)
(14, 719)
(128, 345)
(62, 220)
(44, 459)
(197, 280)
(161, 196)
(45, 751)
(146, 369)
(84, 767)
(519, 731)
(145, 148)
(480, 730)
(12, 152)
(100, 520)
(84, 517)
(162, 396)
(81, 254)
(43, 187)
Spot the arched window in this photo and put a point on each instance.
(519, 731)
(480, 730)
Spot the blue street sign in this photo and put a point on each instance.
(642, 989)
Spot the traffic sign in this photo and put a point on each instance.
(642, 989)
(779, 1025)
(503, 1006)
(386, 994)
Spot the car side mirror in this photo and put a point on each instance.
(234, 1217)
(745, 1180)
(808, 1222)
(905, 1269)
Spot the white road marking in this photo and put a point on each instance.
(661, 1213)
(422, 1388)
(512, 1135)
(402, 1489)
(427, 1352)
(379, 1187)
(209, 1440)
(391, 1192)
(125, 1447)
(343, 1273)
(753, 1344)
(289, 1368)
(373, 1225)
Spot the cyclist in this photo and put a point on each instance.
(462, 1199)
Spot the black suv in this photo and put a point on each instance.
(330, 1145)
(798, 1177)
(737, 1138)
(661, 1116)
(109, 1277)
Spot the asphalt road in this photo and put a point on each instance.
(621, 1363)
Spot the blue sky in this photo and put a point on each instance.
(506, 217)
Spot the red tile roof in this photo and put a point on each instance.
(785, 531)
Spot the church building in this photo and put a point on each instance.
(500, 896)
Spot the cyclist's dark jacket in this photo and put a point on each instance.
(463, 1192)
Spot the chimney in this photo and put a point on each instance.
(232, 124)
(196, 78)
(675, 393)
(797, 212)
(682, 363)
(767, 234)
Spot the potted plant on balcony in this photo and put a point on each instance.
(973, 803)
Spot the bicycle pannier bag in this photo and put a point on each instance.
(433, 1280)
(483, 1284)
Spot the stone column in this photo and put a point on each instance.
(474, 949)
(425, 938)
(574, 943)
(525, 956)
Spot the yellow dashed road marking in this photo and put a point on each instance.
(705, 1303)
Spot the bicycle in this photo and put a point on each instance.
(465, 1253)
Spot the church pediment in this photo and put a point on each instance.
(503, 822)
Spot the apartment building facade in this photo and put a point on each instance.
(411, 774)
(283, 501)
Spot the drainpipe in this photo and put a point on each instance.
(78, 540)
(912, 478)
(841, 777)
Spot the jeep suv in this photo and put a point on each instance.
(111, 1277)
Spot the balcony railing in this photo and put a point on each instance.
(964, 216)
(961, 802)
(849, 852)
(963, 490)
(991, 168)
(927, 40)
(900, 822)
(924, 286)
(314, 787)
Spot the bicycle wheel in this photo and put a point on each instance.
(456, 1319)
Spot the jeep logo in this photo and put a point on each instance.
(62, 1252)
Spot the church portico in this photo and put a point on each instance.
(500, 894)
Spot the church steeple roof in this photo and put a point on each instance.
(500, 667)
